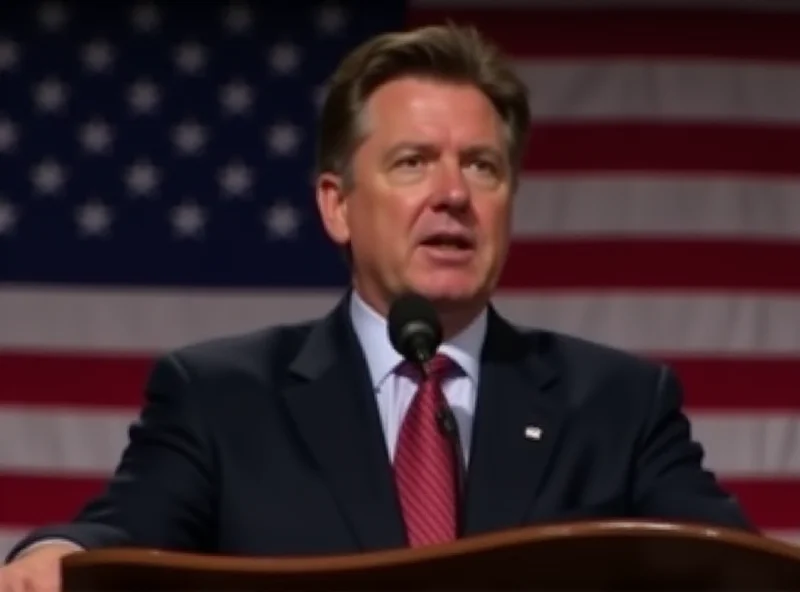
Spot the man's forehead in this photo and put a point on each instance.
(415, 115)
(409, 94)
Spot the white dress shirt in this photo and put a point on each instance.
(395, 392)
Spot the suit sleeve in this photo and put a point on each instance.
(671, 481)
(160, 494)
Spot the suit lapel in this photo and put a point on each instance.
(333, 407)
(517, 422)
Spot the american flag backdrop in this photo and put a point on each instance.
(155, 189)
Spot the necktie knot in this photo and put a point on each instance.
(439, 367)
(436, 369)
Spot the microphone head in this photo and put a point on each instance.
(414, 328)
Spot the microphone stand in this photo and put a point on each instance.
(448, 426)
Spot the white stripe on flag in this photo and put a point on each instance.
(71, 442)
(758, 444)
(651, 206)
(153, 321)
(739, 445)
(657, 90)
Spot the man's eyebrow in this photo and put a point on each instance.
(412, 146)
(483, 149)
(471, 150)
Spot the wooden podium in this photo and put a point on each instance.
(610, 555)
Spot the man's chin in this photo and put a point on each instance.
(449, 296)
(448, 287)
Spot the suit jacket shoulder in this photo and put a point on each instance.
(589, 369)
(261, 355)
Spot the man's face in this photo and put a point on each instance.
(429, 207)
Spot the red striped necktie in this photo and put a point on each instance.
(424, 465)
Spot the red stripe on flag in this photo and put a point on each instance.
(531, 32)
(35, 500)
(680, 147)
(726, 384)
(31, 501)
(770, 503)
(646, 264)
(78, 380)
(713, 384)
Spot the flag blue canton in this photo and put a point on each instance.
(168, 143)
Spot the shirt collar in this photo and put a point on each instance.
(382, 359)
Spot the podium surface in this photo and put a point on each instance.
(603, 555)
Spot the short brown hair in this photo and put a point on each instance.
(448, 53)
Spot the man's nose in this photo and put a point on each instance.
(452, 189)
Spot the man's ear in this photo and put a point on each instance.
(332, 204)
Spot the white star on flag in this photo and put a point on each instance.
(189, 137)
(284, 58)
(188, 220)
(48, 176)
(143, 96)
(331, 18)
(235, 179)
(96, 136)
(238, 18)
(50, 94)
(190, 58)
(97, 56)
(52, 16)
(145, 18)
(236, 97)
(283, 139)
(93, 219)
(281, 220)
(142, 178)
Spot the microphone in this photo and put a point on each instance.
(414, 328)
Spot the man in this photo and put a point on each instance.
(299, 439)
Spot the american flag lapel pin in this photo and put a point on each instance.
(533, 433)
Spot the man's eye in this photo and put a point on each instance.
(484, 166)
(410, 161)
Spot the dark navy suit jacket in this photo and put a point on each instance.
(270, 443)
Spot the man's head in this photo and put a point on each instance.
(420, 144)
